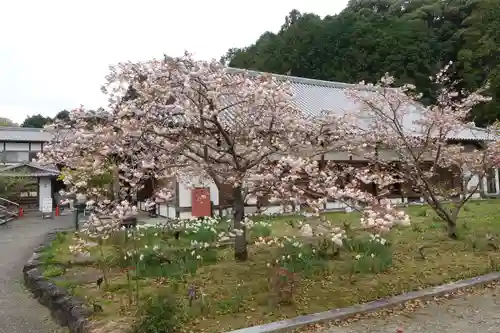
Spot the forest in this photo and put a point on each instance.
(409, 39)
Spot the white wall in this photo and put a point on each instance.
(185, 199)
(17, 146)
(185, 188)
(44, 190)
(36, 146)
(167, 210)
(473, 182)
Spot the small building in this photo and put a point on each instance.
(29, 182)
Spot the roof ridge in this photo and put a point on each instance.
(25, 129)
(303, 80)
(28, 164)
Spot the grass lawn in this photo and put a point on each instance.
(237, 295)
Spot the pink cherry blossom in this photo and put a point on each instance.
(173, 119)
(418, 145)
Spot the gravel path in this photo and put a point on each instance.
(468, 314)
(19, 313)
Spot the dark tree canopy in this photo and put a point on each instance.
(36, 121)
(62, 115)
(409, 39)
(39, 121)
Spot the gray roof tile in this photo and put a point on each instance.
(24, 134)
(311, 96)
(314, 96)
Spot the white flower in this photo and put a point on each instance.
(372, 255)
(198, 257)
(358, 256)
(337, 240)
(406, 221)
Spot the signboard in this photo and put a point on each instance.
(200, 202)
(46, 207)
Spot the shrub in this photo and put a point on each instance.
(160, 314)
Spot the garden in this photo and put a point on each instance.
(180, 121)
(182, 276)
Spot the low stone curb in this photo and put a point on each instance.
(64, 308)
(288, 325)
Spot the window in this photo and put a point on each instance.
(15, 156)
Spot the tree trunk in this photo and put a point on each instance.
(452, 223)
(452, 230)
(116, 183)
(450, 217)
(240, 244)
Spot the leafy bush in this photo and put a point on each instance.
(160, 314)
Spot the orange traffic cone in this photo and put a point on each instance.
(21, 212)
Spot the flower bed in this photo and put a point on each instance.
(184, 274)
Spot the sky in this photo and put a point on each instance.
(54, 54)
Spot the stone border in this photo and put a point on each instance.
(343, 313)
(64, 308)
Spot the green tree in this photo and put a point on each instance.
(409, 39)
(36, 121)
(479, 57)
(355, 45)
(62, 115)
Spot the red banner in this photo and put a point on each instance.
(200, 202)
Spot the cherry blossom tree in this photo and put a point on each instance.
(309, 182)
(99, 160)
(181, 118)
(420, 145)
(228, 126)
(226, 123)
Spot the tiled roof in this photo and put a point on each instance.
(311, 96)
(35, 170)
(314, 96)
(24, 134)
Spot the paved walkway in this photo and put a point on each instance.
(468, 314)
(19, 313)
